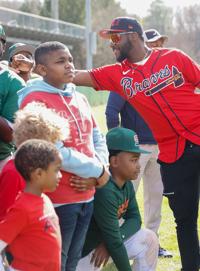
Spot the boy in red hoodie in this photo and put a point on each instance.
(55, 65)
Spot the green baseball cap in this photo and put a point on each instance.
(2, 34)
(122, 139)
(19, 47)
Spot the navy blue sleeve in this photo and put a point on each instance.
(114, 106)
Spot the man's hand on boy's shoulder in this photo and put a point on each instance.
(100, 256)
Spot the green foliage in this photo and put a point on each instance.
(159, 16)
(46, 9)
(32, 6)
(72, 11)
(94, 97)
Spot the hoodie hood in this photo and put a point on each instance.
(40, 85)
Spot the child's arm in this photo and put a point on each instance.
(105, 215)
(132, 219)
(80, 164)
(12, 225)
(10, 184)
(100, 146)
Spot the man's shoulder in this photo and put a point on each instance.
(167, 51)
(9, 77)
(6, 72)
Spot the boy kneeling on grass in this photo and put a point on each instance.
(30, 230)
(114, 201)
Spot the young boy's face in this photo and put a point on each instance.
(127, 165)
(59, 68)
(50, 177)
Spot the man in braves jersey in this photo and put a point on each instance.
(119, 112)
(160, 84)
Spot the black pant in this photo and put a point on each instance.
(181, 186)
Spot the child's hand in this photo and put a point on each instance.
(82, 184)
(100, 256)
(21, 63)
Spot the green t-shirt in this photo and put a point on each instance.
(110, 204)
(10, 83)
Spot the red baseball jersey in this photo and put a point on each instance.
(163, 92)
(32, 231)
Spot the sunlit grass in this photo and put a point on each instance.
(167, 232)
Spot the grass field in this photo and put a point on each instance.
(167, 228)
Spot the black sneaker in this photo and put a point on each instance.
(164, 253)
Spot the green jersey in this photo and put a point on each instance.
(110, 204)
(10, 83)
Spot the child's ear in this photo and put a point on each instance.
(114, 161)
(37, 173)
(41, 70)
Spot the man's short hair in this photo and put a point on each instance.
(45, 48)
(34, 154)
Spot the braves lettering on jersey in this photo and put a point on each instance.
(163, 91)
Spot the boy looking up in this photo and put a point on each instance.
(30, 228)
(116, 200)
(74, 208)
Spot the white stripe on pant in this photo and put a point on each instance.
(142, 248)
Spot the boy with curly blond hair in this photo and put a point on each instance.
(34, 121)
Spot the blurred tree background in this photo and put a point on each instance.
(182, 26)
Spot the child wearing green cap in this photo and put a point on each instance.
(116, 202)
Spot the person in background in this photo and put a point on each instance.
(10, 84)
(30, 230)
(120, 113)
(21, 59)
(115, 229)
(154, 39)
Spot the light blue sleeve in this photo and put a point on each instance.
(78, 163)
(100, 146)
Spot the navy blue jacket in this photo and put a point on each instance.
(129, 118)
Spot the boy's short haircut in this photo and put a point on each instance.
(113, 153)
(45, 48)
(33, 154)
(37, 121)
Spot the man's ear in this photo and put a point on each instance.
(134, 36)
(41, 70)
